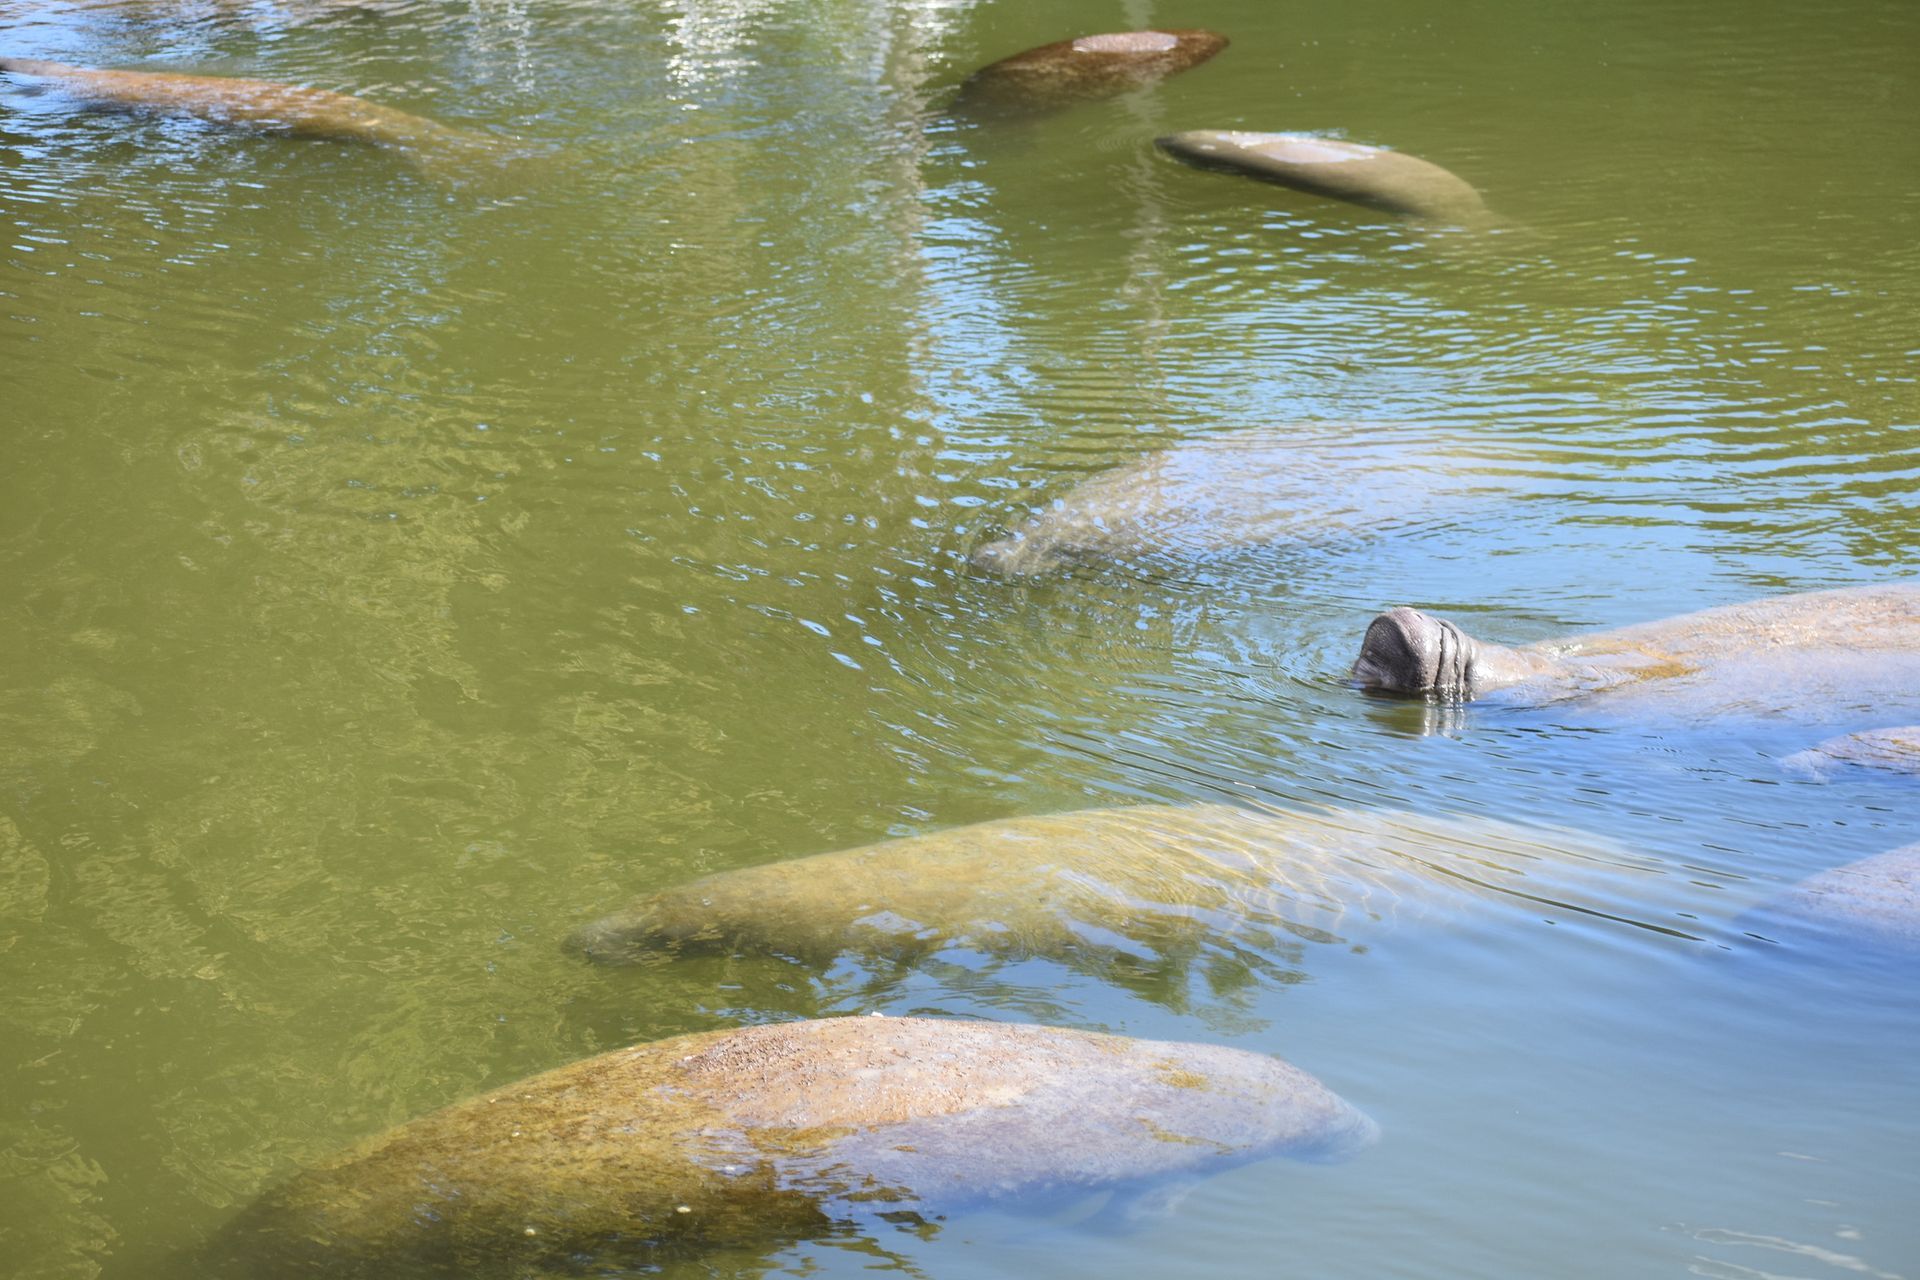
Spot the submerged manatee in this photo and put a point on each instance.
(1869, 907)
(264, 105)
(774, 1133)
(1371, 176)
(1893, 750)
(1146, 880)
(1233, 491)
(1070, 71)
(1807, 655)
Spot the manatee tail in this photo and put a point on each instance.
(472, 161)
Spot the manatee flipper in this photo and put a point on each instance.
(1132, 1209)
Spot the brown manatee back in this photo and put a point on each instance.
(770, 1133)
(1087, 67)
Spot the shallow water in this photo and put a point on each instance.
(401, 572)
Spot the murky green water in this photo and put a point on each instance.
(397, 575)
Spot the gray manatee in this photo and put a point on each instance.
(1894, 750)
(1803, 656)
(264, 105)
(1371, 176)
(1233, 491)
(1869, 907)
(1160, 881)
(1069, 71)
(774, 1133)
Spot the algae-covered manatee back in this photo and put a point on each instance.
(775, 1133)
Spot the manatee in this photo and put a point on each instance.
(1230, 492)
(1373, 176)
(1157, 881)
(1802, 656)
(1070, 71)
(263, 105)
(1870, 907)
(775, 1133)
(1893, 750)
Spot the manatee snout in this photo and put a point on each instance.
(653, 927)
(1407, 651)
(1015, 556)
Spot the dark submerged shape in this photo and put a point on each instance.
(1371, 176)
(263, 105)
(1802, 656)
(1070, 71)
(773, 1133)
(1308, 484)
(1869, 908)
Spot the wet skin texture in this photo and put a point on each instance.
(1059, 75)
(1810, 656)
(1371, 176)
(1163, 882)
(259, 104)
(773, 1133)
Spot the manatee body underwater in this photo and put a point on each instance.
(1889, 751)
(1376, 177)
(775, 1133)
(1865, 910)
(1811, 656)
(1163, 883)
(265, 106)
(1083, 69)
(1300, 485)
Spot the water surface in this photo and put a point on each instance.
(400, 573)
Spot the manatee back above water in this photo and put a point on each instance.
(1085, 68)
(1373, 176)
(773, 1133)
(1814, 656)
(1866, 909)
(1265, 486)
(1156, 881)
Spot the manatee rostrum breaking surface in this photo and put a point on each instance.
(1303, 485)
(775, 1133)
(1815, 656)
(1085, 68)
(1373, 176)
(1163, 883)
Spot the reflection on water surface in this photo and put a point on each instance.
(402, 575)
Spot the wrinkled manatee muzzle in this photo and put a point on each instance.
(1407, 651)
(629, 937)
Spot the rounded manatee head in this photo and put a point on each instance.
(1407, 651)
